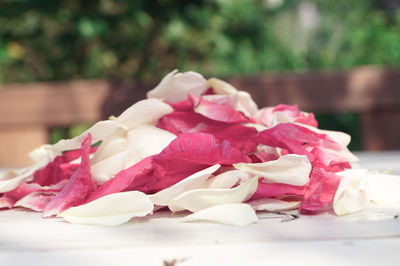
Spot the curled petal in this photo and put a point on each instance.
(79, 187)
(198, 199)
(230, 214)
(147, 112)
(359, 188)
(320, 191)
(144, 141)
(128, 149)
(247, 105)
(175, 87)
(11, 180)
(352, 192)
(228, 179)
(282, 113)
(6, 202)
(290, 169)
(36, 201)
(197, 180)
(271, 205)
(110, 210)
(220, 108)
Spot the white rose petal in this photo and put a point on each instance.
(290, 169)
(197, 180)
(198, 199)
(269, 204)
(230, 214)
(175, 87)
(228, 179)
(110, 210)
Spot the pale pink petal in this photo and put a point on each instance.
(247, 105)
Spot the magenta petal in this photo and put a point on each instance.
(320, 191)
(22, 190)
(78, 188)
(319, 148)
(221, 108)
(59, 169)
(240, 137)
(270, 190)
(123, 179)
(186, 155)
(6, 202)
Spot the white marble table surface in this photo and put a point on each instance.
(371, 237)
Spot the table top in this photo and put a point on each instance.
(366, 238)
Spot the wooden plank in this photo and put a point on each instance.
(17, 142)
(359, 90)
(56, 103)
(380, 129)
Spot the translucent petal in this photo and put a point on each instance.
(269, 204)
(230, 214)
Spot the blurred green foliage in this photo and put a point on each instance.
(43, 40)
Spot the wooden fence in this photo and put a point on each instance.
(27, 111)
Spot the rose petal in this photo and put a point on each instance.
(198, 199)
(127, 149)
(247, 105)
(197, 180)
(146, 112)
(282, 113)
(359, 188)
(239, 136)
(320, 191)
(111, 210)
(220, 108)
(273, 205)
(175, 87)
(230, 214)
(290, 169)
(78, 188)
(228, 179)
(352, 192)
(6, 202)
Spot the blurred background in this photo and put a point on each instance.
(63, 40)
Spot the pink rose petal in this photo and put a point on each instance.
(186, 155)
(222, 108)
(79, 187)
(320, 191)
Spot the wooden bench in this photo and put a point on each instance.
(28, 111)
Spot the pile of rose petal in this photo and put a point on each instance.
(202, 148)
